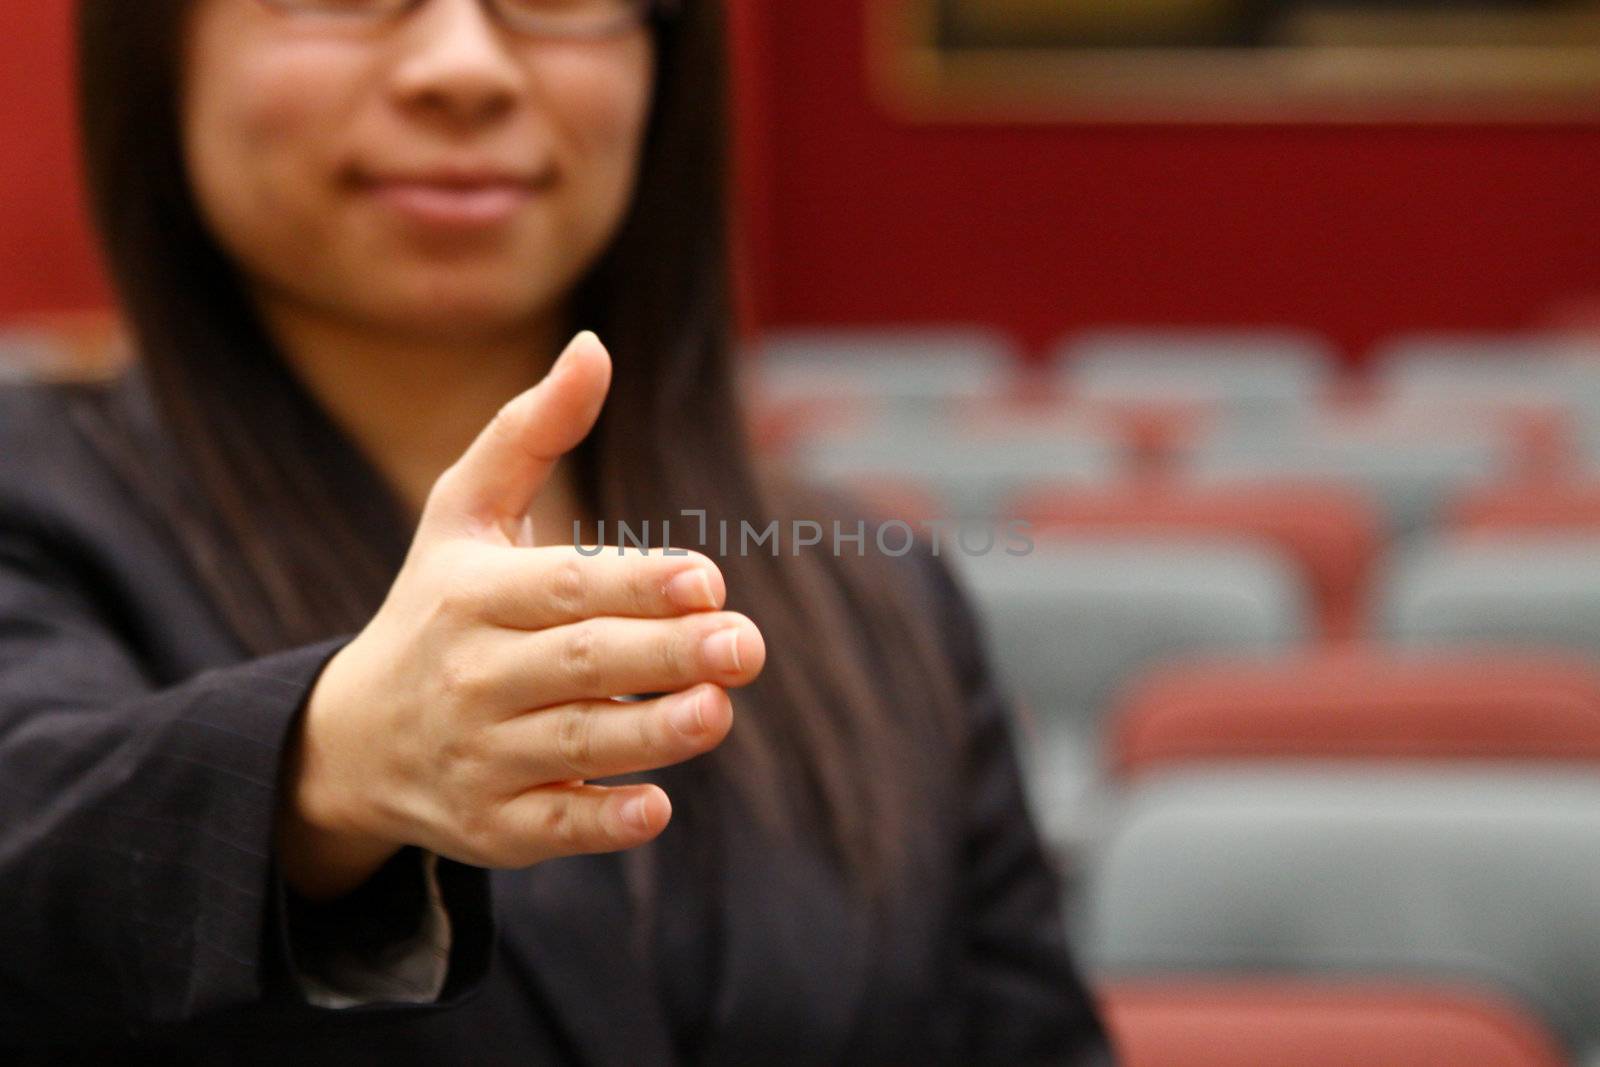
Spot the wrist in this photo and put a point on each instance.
(325, 847)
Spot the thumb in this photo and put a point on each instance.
(495, 480)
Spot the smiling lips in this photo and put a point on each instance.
(454, 199)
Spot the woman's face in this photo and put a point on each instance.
(438, 175)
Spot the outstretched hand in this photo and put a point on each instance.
(469, 714)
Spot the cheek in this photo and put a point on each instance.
(252, 138)
(604, 109)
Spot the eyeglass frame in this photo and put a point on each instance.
(645, 12)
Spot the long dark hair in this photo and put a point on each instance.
(297, 537)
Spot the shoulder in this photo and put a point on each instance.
(66, 453)
(70, 463)
(80, 522)
(31, 414)
(69, 448)
(48, 469)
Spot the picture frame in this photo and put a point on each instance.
(1051, 61)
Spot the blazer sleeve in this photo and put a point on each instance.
(1020, 996)
(136, 829)
(405, 957)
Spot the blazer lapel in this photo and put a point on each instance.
(568, 922)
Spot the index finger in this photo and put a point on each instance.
(535, 589)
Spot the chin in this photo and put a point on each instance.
(457, 311)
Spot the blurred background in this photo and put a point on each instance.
(1296, 378)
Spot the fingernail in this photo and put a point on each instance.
(567, 351)
(687, 714)
(635, 815)
(722, 650)
(691, 591)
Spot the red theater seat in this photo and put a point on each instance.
(1536, 507)
(1174, 1023)
(1330, 532)
(1362, 704)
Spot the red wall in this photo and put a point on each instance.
(853, 218)
(46, 259)
(1355, 231)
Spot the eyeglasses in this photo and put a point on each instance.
(558, 19)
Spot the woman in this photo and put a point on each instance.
(304, 679)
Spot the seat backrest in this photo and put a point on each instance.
(1408, 474)
(1310, 1023)
(1507, 590)
(969, 476)
(1230, 368)
(1361, 703)
(1490, 368)
(1069, 624)
(889, 364)
(1485, 876)
(1540, 507)
(1330, 532)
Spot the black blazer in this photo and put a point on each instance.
(141, 914)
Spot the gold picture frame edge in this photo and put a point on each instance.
(914, 83)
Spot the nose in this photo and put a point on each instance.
(454, 66)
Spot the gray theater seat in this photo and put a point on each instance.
(968, 475)
(1238, 369)
(1491, 369)
(1408, 477)
(1480, 876)
(1072, 623)
(898, 365)
(1513, 589)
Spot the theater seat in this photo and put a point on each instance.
(1330, 532)
(1361, 704)
(1504, 589)
(967, 476)
(1528, 508)
(1069, 625)
(1486, 877)
(1490, 369)
(900, 365)
(1234, 369)
(1311, 1023)
(1408, 469)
